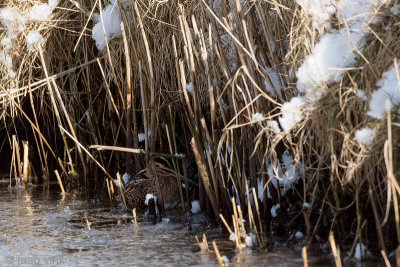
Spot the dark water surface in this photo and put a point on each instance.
(46, 229)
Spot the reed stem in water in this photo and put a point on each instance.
(304, 255)
(198, 243)
(220, 262)
(134, 217)
(335, 251)
(87, 222)
(59, 182)
(205, 243)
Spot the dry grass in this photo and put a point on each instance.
(228, 52)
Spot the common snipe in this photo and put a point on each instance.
(144, 182)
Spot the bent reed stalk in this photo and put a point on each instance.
(211, 80)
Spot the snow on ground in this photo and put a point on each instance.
(361, 252)
(195, 207)
(250, 240)
(299, 234)
(388, 90)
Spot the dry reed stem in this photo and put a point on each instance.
(37, 131)
(385, 258)
(242, 224)
(128, 111)
(178, 178)
(198, 243)
(304, 255)
(55, 109)
(26, 162)
(134, 217)
(226, 225)
(204, 177)
(86, 151)
(259, 217)
(236, 221)
(237, 235)
(87, 222)
(121, 191)
(135, 151)
(18, 156)
(220, 262)
(388, 155)
(109, 191)
(59, 182)
(205, 243)
(335, 251)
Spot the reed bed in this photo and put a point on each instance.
(212, 80)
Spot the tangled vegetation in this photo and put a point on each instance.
(223, 85)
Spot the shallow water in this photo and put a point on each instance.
(46, 229)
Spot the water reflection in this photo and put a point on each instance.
(46, 226)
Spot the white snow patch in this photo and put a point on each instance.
(141, 136)
(320, 11)
(273, 124)
(232, 237)
(361, 252)
(225, 260)
(250, 240)
(274, 209)
(332, 54)
(111, 20)
(284, 180)
(189, 87)
(6, 59)
(12, 20)
(195, 207)
(260, 188)
(365, 136)
(361, 94)
(33, 40)
(257, 117)
(388, 89)
(117, 183)
(41, 12)
(291, 113)
(7, 43)
(126, 177)
(299, 234)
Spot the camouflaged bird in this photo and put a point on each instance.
(144, 182)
